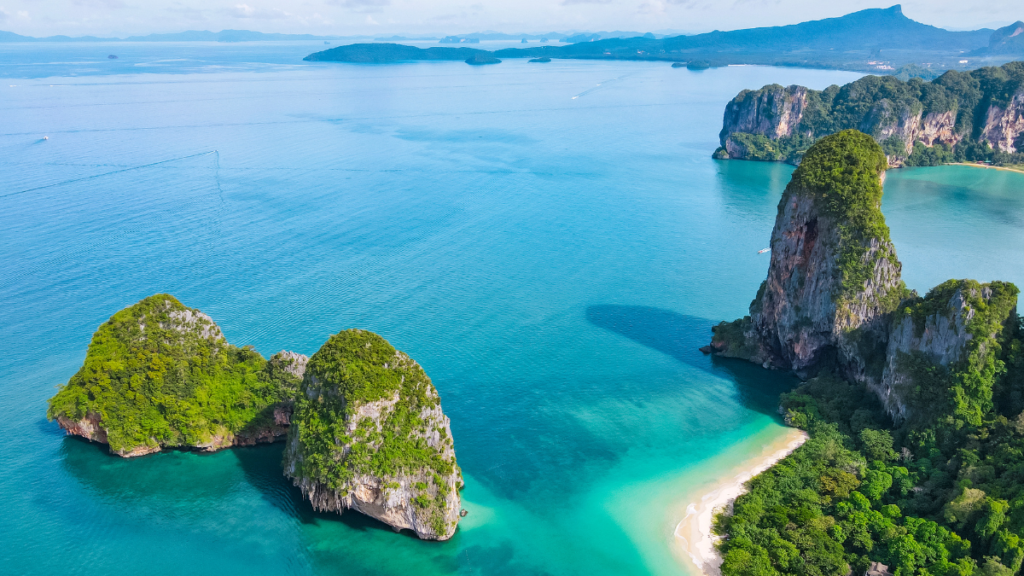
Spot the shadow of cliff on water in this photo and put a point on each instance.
(680, 336)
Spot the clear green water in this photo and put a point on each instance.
(553, 263)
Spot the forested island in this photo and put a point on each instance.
(914, 405)
(975, 116)
(364, 424)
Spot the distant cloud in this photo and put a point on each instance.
(246, 11)
(4, 14)
(370, 20)
(361, 5)
(651, 7)
(191, 14)
(571, 2)
(109, 4)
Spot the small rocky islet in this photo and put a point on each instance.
(369, 434)
(363, 422)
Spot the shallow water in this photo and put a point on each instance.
(553, 263)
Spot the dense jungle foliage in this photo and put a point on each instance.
(352, 369)
(938, 494)
(157, 373)
(873, 104)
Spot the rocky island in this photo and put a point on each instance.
(914, 405)
(161, 375)
(368, 434)
(363, 421)
(959, 116)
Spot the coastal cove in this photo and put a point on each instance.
(551, 243)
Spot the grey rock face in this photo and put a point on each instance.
(420, 495)
(1004, 126)
(942, 339)
(388, 499)
(773, 111)
(797, 321)
(294, 363)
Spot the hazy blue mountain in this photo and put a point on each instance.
(1007, 40)
(869, 40)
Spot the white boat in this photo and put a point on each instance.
(764, 250)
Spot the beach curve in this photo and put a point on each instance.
(693, 533)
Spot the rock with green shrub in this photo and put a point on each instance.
(368, 434)
(161, 375)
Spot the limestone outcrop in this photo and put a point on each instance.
(774, 111)
(1004, 125)
(834, 300)
(368, 434)
(955, 319)
(833, 274)
(908, 119)
(160, 375)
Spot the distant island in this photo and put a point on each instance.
(975, 116)
(482, 58)
(914, 405)
(875, 40)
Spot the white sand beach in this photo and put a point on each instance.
(693, 533)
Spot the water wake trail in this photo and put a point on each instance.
(83, 178)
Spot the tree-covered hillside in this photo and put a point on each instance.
(948, 119)
(940, 493)
(160, 374)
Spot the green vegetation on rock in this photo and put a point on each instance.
(961, 394)
(888, 107)
(367, 410)
(842, 173)
(160, 374)
(940, 494)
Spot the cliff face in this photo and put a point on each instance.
(829, 283)
(959, 323)
(773, 111)
(159, 375)
(1004, 126)
(369, 434)
(833, 299)
(779, 123)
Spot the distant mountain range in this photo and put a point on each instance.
(875, 40)
(1007, 40)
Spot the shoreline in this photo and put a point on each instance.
(693, 535)
(976, 165)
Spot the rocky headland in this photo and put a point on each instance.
(834, 301)
(368, 434)
(161, 375)
(959, 116)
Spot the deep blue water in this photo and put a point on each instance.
(551, 242)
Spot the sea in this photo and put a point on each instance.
(551, 242)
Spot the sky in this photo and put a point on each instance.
(384, 17)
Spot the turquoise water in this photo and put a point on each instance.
(553, 263)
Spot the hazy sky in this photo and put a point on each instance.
(351, 17)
